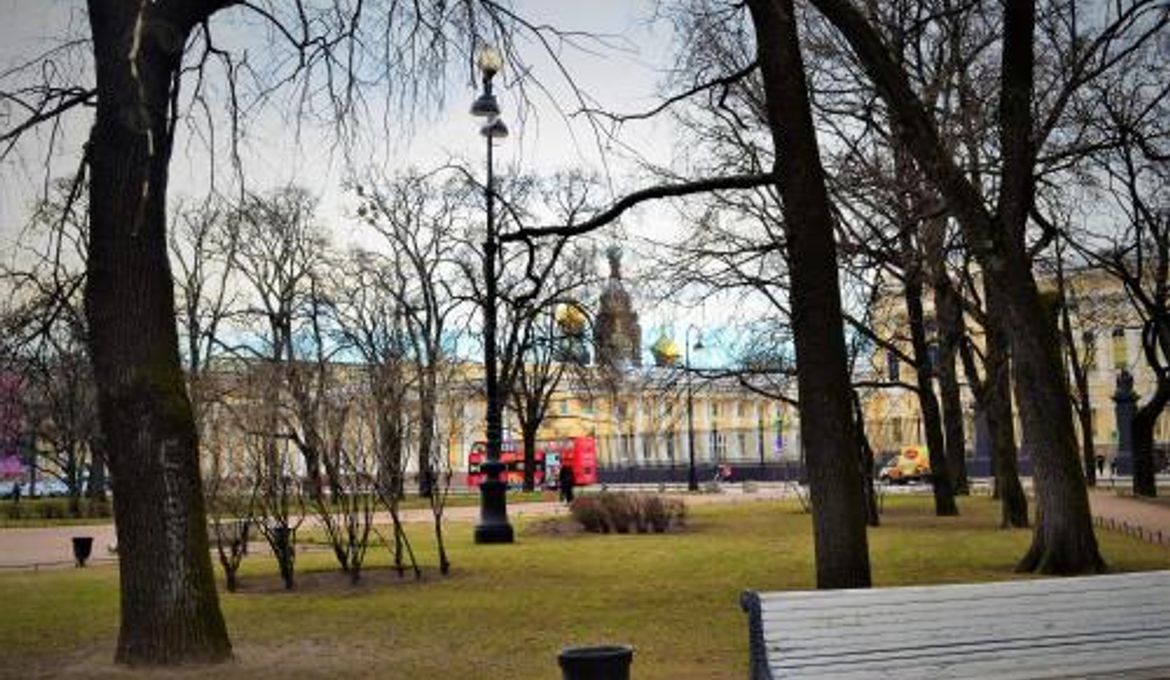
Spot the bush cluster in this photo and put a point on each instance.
(54, 508)
(619, 512)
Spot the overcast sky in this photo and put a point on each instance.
(622, 74)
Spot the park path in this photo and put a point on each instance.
(1149, 521)
(50, 547)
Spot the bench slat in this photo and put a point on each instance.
(1007, 623)
(1060, 662)
(1106, 626)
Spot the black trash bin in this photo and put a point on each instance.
(82, 547)
(602, 662)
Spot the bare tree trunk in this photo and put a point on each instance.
(866, 462)
(97, 470)
(940, 480)
(1080, 380)
(169, 610)
(827, 430)
(426, 432)
(950, 322)
(1063, 541)
(1000, 421)
(1144, 479)
(528, 434)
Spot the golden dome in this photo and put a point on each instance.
(665, 351)
(571, 319)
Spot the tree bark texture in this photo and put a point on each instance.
(827, 429)
(169, 610)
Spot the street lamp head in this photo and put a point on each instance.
(699, 346)
(485, 106)
(490, 60)
(494, 129)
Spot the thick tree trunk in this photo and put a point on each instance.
(827, 430)
(169, 610)
(1063, 541)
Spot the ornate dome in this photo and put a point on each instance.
(617, 334)
(571, 319)
(665, 351)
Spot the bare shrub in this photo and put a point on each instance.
(617, 512)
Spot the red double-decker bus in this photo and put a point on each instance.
(578, 452)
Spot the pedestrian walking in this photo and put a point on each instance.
(566, 481)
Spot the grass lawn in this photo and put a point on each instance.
(506, 610)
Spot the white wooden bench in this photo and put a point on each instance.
(1114, 627)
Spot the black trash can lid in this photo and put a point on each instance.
(597, 652)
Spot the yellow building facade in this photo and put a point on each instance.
(1106, 332)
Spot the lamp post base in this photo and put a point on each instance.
(493, 524)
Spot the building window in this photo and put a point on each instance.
(713, 408)
(564, 407)
(588, 406)
(1120, 351)
(742, 453)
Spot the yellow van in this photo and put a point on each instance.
(912, 464)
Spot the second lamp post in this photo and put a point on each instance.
(692, 475)
(493, 524)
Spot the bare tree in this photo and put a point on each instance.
(45, 344)
(203, 243)
(370, 313)
(1134, 166)
(130, 72)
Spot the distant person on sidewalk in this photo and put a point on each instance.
(1101, 464)
(566, 482)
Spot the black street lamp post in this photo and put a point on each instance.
(493, 524)
(692, 475)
